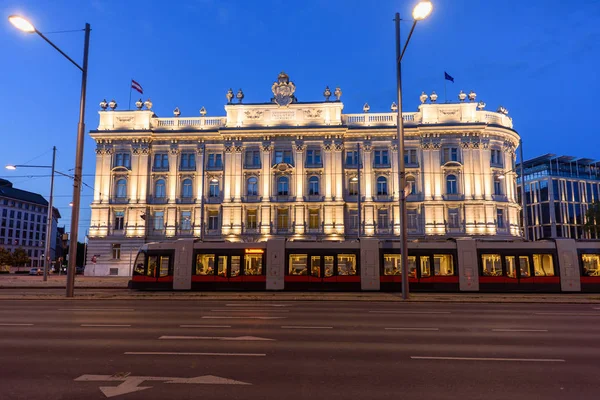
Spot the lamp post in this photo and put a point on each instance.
(421, 11)
(26, 26)
(50, 210)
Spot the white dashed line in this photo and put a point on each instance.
(96, 309)
(238, 317)
(519, 330)
(223, 338)
(104, 326)
(305, 327)
(412, 329)
(205, 326)
(488, 359)
(156, 353)
(409, 312)
(16, 324)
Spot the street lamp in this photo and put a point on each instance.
(420, 12)
(26, 26)
(50, 217)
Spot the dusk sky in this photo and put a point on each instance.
(537, 58)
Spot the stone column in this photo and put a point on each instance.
(236, 172)
(107, 177)
(338, 172)
(328, 168)
(299, 148)
(98, 177)
(467, 162)
(426, 169)
(488, 179)
(228, 171)
(436, 171)
(394, 181)
(172, 177)
(266, 175)
(143, 175)
(367, 172)
(199, 185)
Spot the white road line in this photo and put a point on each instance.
(519, 330)
(569, 314)
(412, 329)
(205, 326)
(16, 324)
(409, 312)
(157, 353)
(256, 305)
(249, 310)
(96, 309)
(596, 308)
(104, 326)
(488, 359)
(223, 338)
(305, 327)
(238, 317)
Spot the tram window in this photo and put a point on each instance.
(222, 266)
(315, 266)
(524, 267)
(443, 264)
(253, 265)
(591, 264)
(328, 266)
(412, 266)
(164, 266)
(152, 263)
(491, 265)
(425, 267)
(511, 266)
(205, 264)
(391, 264)
(235, 265)
(140, 260)
(346, 264)
(543, 265)
(298, 264)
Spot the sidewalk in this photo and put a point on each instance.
(56, 281)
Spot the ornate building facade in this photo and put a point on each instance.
(298, 170)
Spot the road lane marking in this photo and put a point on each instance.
(409, 312)
(96, 309)
(238, 317)
(205, 326)
(488, 359)
(255, 305)
(412, 329)
(519, 330)
(169, 353)
(224, 338)
(569, 314)
(305, 327)
(7, 324)
(104, 326)
(249, 310)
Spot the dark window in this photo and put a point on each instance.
(119, 220)
(283, 186)
(451, 186)
(351, 157)
(186, 188)
(215, 160)
(282, 156)
(122, 160)
(313, 157)
(252, 158)
(313, 186)
(161, 161)
(252, 189)
(188, 162)
(381, 158)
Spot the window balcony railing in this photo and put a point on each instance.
(185, 200)
(190, 168)
(213, 199)
(159, 169)
(217, 167)
(185, 231)
(415, 197)
(252, 230)
(282, 230)
(500, 197)
(453, 196)
(383, 230)
(314, 197)
(313, 165)
(119, 200)
(411, 164)
(382, 165)
(352, 165)
(383, 197)
(282, 198)
(213, 231)
(252, 166)
(157, 200)
(251, 199)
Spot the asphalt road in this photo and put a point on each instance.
(297, 350)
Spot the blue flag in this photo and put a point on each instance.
(448, 77)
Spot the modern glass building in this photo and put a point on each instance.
(558, 191)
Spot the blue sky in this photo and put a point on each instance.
(538, 58)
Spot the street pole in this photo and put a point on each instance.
(402, 167)
(358, 197)
(523, 202)
(47, 254)
(78, 169)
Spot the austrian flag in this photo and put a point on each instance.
(137, 86)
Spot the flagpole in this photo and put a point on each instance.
(130, 87)
(445, 97)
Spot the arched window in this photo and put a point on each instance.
(186, 188)
(382, 189)
(451, 186)
(160, 189)
(122, 188)
(497, 186)
(283, 184)
(213, 188)
(252, 186)
(412, 185)
(313, 186)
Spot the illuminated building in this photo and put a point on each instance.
(293, 169)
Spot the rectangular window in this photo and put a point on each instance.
(188, 162)
(449, 154)
(283, 218)
(161, 161)
(186, 220)
(392, 265)
(215, 160)
(383, 219)
(213, 220)
(524, 267)
(543, 265)
(205, 264)
(116, 251)
(351, 157)
(496, 158)
(313, 158)
(122, 160)
(491, 265)
(353, 219)
(313, 219)
(282, 156)
(235, 266)
(346, 264)
(253, 264)
(413, 219)
(159, 220)
(410, 157)
(113, 271)
(453, 221)
(425, 267)
(119, 220)
(511, 266)
(591, 264)
(443, 264)
(500, 218)
(381, 158)
(252, 159)
(251, 222)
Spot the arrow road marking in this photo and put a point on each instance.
(230, 338)
(131, 383)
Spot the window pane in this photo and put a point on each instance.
(543, 265)
(443, 264)
(524, 267)
(205, 264)
(346, 264)
(298, 264)
(391, 264)
(235, 265)
(491, 265)
(253, 264)
(591, 264)
(328, 266)
(139, 264)
(315, 266)
(222, 266)
(152, 263)
(511, 266)
(425, 267)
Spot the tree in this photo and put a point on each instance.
(592, 220)
(6, 260)
(20, 257)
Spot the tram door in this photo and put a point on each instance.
(159, 267)
(321, 267)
